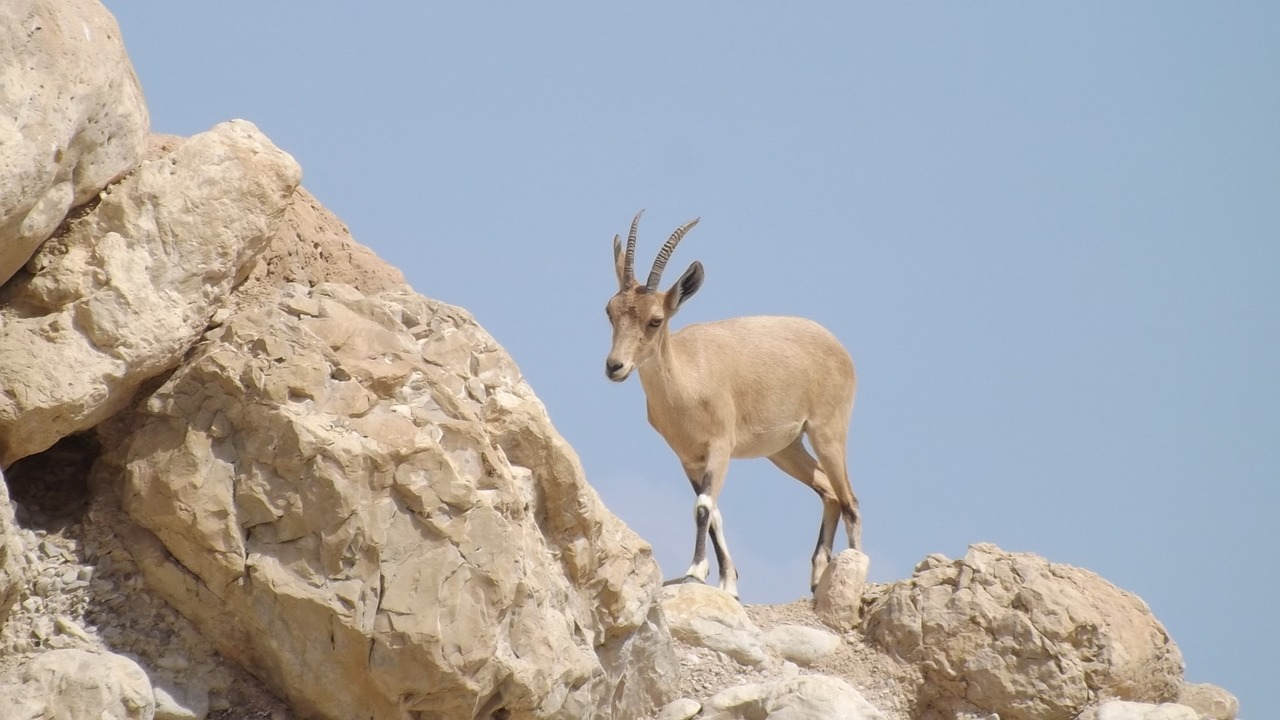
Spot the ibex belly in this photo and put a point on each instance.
(761, 442)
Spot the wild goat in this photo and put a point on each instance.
(740, 388)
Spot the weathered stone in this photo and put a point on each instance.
(681, 709)
(74, 118)
(838, 597)
(312, 246)
(802, 645)
(126, 291)
(1025, 638)
(800, 698)
(358, 498)
(1124, 710)
(77, 685)
(706, 616)
(1210, 701)
(189, 701)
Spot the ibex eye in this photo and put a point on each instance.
(656, 322)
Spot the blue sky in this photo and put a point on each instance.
(1048, 235)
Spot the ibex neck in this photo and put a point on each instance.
(661, 372)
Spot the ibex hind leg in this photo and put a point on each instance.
(728, 571)
(796, 461)
(829, 444)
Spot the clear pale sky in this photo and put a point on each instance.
(1048, 235)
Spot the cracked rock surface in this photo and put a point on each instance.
(358, 498)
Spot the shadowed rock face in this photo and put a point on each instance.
(363, 500)
(13, 566)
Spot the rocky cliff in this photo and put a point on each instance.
(250, 473)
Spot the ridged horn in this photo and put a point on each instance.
(660, 263)
(628, 267)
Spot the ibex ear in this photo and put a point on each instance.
(620, 263)
(685, 287)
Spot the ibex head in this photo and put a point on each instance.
(639, 313)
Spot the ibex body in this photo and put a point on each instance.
(740, 388)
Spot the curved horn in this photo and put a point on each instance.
(629, 266)
(664, 254)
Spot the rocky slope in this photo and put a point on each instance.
(249, 473)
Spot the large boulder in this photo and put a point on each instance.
(77, 685)
(706, 616)
(124, 293)
(1210, 701)
(805, 646)
(1125, 710)
(799, 698)
(74, 119)
(1014, 634)
(358, 498)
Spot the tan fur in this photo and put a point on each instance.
(741, 388)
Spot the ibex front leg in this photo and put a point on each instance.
(707, 479)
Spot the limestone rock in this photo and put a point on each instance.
(180, 702)
(77, 685)
(1124, 710)
(13, 565)
(126, 291)
(1028, 639)
(838, 597)
(802, 645)
(358, 498)
(706, 616)
(312, 246)
(800, 698)
(1210, 701)
(74, 119)
(681, 709)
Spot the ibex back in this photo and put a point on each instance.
(740, 388)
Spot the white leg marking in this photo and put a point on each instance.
(704, 500)
(698, 570)
(701, 566)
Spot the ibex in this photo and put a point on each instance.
(741, 388)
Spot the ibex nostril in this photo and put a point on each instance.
(610, 368)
